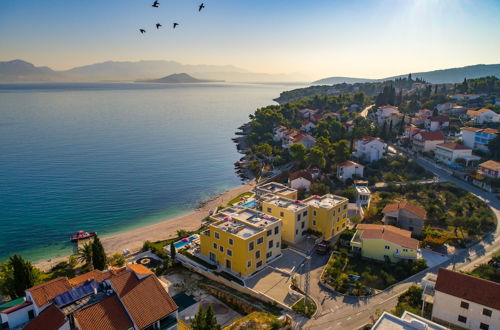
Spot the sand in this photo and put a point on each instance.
(134, 239)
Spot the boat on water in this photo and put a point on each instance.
(75, 237)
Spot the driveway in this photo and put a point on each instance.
(433, 258)
(274, 280)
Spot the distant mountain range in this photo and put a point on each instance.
(178, 78)
(21, 71)
(454, 75)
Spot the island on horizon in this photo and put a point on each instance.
(179, 78)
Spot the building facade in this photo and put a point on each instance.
(478, 138)
(370, 149)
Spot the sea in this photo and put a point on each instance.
(110, 157)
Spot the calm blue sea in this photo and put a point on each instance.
(111, 157)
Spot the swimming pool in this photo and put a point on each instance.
(183, 242)
(252, 204)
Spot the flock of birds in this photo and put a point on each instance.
(156, 4)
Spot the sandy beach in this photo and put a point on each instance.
(134, 239)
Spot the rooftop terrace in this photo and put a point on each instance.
(275, 188)
(284, 203)
(243, 222)
(326, 201)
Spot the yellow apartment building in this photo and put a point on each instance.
(277, 189)
(241, 240)
(327, 214)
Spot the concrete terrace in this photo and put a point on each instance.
(285, 203)
(327, 201)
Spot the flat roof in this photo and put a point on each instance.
(276, 188)
(408, 321)
(285, 203)
(363, 190)
(327, 201)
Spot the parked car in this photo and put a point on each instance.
(323, 247)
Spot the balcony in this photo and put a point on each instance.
(401, 256)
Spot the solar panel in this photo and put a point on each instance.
(74, 294)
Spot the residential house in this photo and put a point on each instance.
(349, 169)
(384, 243)
(369, 149)
(130, 297)
(300, 180)
(307, 113)
(241, 240)
(307, 126)
(450, 109)
(279, 133)
(306, 140)
(478, 138)
(411, 130)
(326, 214)
(332, 114)
(276, 188)
(426, 141)
(406, 216)
(421, 116)
(483, 116)
(437, 123)
(317, 117)
(450, 152)
(466, 97)
(407, 321)
(388, 113)
(466, 301)
(490, 169)
(363, 196)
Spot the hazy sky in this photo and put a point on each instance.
(319, 38)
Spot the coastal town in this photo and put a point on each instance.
(366, 206)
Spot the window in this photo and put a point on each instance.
(298, 217)
(314, 222)
(333, 212)
(221, 248)
(276, 229)
(260, 240)
(268, 210)
(270, 244)
(303, 224)
(269, 255)
(345, 206)
(282, 214)
(387, 247)
(229, 252)
(277, 244)
(462, 319)
(484, 326)
(343, 225)
(215, 246)
(216, 234)
(231, 242)
(487, 312)
(31, 314)
(269, 232)
(305, 213)
(250, 246)
(249, 263)
(314, 212)
(464, 304)
(259, 264)
(405, 250)
(338, 219)
(207, 233)
(296, 231)
(257, 254)
(343, 217)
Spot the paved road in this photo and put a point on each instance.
(338, 312)
(365, 111)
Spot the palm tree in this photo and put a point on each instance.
(85, 254)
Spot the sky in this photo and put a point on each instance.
(315, 38)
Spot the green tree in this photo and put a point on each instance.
(205, 319)
(99, 260)
(172, 251)
(85, 254)
(297, 152)
(341, 152)
(315, 158)
(117, 260)
(494, 146)
(7, 280)
(319, 188)
(23, 273)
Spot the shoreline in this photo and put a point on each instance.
(165, 229)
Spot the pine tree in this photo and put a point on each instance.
(205, 319)
(402, 125)
(99, 260)
(24, 274)
(172, 251)
(383, 131)
(210, 320)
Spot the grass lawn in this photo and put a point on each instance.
(238, 198)
(255, 320)
(300, 307)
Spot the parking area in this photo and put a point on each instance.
(433, 258)
(274, 280)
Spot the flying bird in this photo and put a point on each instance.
(155, 4)
(158, 25)
(175, 25)
(201, 7)
(142, 31)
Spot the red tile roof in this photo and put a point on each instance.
(491, 165)
(477, 290)
(348, 163)
(51, 318)
(43, 293)
(412, 208)
(140, 269)
(454, 146)
(300, 174)
(391, 234)
(472, 129)
(431, 136)
(483, 130)
(490, 131)
(145, 300)
(108, 314)
(368, 139)
(477, 112)
(97, 275)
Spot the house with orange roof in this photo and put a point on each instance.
(307, 126)
(483, 116)
(478, 138)
(425, 141)
(437, 123)
(369, 149)
(405, 215)
(384, 243)
(348, 170)
(388, 113)
(131, 297)
(490, 169)
(450, 152)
